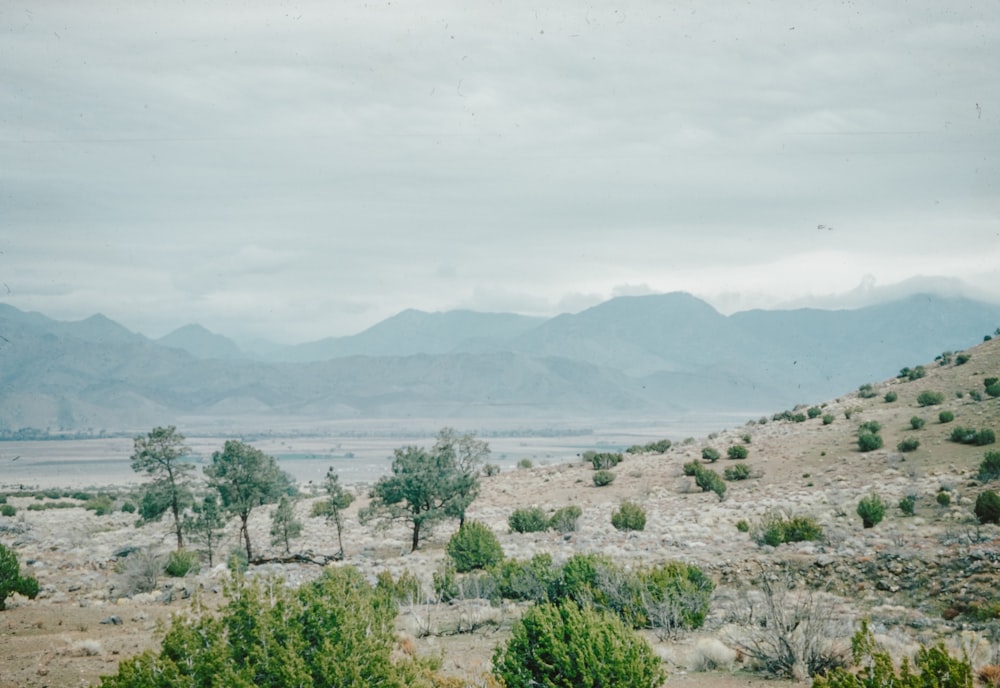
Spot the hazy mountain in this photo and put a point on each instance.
(199, 342)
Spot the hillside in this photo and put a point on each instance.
(923, 578)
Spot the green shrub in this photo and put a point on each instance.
(929, 398)
(987, 507)
(814, 412)
(737, 472)
(11, 580)
(629, 516)
(867, 391)
(100, 505)
(962, 359)
(531, 520)
(406, 588)
(979, 438)
(871, 427)
(179, 564)
(799, 418)
(128, 507)
(976, 395)
(564, 519)
(989, 468)
(912, 374)
(743, 526)
(871, 509)
(890, 397)
(7, 510)
(916, 422)
(985, 436)
(709, 481)
(944, 358)
(605, 460)
(908, 505)
(566, 645)
(474, 546)
(909, 444)
(827, 418)
(524, 464)
(943, 498)
(491, 469)
(869, 442)
(946, 416)
(993, 390)
(775, 530)
(602, 478)
(691, 468)
(658, 447)
(737, 451)
(709, 454)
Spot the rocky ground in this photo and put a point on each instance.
(920, 578)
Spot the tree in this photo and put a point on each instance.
(159, 455)
(468, 455)
(338, 499)
(284, 526)
(426, 486)
(207, 524)
(246, 477)
(11, 580)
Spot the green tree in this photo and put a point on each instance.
(333, 507)
(284, 526)
(871, 509)
(158, 454)
(474, 546)
(468, 456)
(11, 580)
(246, 477)
(206, 525)
(424, 487)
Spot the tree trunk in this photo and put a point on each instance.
(416, 536)
(246, 535)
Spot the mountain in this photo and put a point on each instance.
(201, 343)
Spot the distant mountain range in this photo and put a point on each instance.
(636, 357)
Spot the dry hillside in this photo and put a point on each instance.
(921, 578)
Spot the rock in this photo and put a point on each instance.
(113, 620)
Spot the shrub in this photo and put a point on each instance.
(962, 359)
(993, 390)
(869, 442)
(691, 468)
(602, 478)
(140, 571)
(908, 445)
(799, 418)
(987, 507)
(867, 391)
(524, 464)
(531, 520)
(871, 509)
(871, 427)
(985, 436)
(976, 395)
(709, 454)
(989, 467)
(944, 358)
(709, 481)
(743, 526)
(605, 460)
(567, 645)
(912, 374)
(128, 508)
(916, 422)
(946, 416)
(737, 451)
(908, 505)
(737, 472)
(491, 469)
(7, 510)
(971, 436)
(814, 412)
(629, 516)
(929, 398)
(890, 397)
(658, 447)
(100, 505)
(827, 418)
(564, 519)
(474, 546)
(943, 498)
(180, 563)
(11, 580)
(774, 530)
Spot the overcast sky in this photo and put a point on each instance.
(296, 170)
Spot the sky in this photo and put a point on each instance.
(298, 170)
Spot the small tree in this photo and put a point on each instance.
(207, 524)
(468, 455)
(871, 509)
(11, 580)
(159, 455)
(737, 451)
(629, 516)
(989, 467)
(474, 546)
(284, 526)
(338, 500)
(987, 507)
(246, 478)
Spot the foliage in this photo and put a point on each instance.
(993, 390)
(867, 391)
(159, 455)
(7, 510)
(428, 486)
(987, 507)
(912, 374)
(490, 470)
(743, 526)
(937, 668)
(738, 472)
(11, 580)
(917, 423)
(474, 546)
(908, 505)
(710, 481)
(814, 412)
(868, 441)
(569, 646)
(737, 451)
(908, 445)
(128, 507)
(709, 454)
(605, 460)
(962, 359)
(101, 505)
(246, 477)
(971, 436)
(989, 467)
(890, 397)
(657, 447)
(871, 509)
(946, 416)
(524, 464)
(943, 498)
(531, 520)
(338, 499)
(141, 571)
(564, 519)
(929, 398)
(629, 516)
(335, 631)
(827, 418)
(691, 468)
(206, 525)
(871, 427)
(284, 526)
(602, 478)
(180, 563)
(775, 529)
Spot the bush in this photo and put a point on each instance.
(916, 422)
(7, 510)
(100, 505)
(827, 418)
(987, 507)
(709, 481)
(971, 436)
(743, 526)
(912, 374)
(737, 451)
(908, 445)
(564, 520)
(943, 498)
(775, 530)
(871, 509)
(814, 412)
(985, 436)
(179, 564)
(890, 397)
(737, 472)
(908, 505)
(11, 580)
(691, 468)
(867, 391)
(491, 469)
(869, 442)
(799, 418)
(474, 546)
(962, 359)
(946, 416)
(602, 478)
(629, 516)
(709, 454)
(565, 645)
(524, 464)
(658, 447)
(993, 390)
(531, 520)
(140, 571)
(989, 467)
(128, 508)
(871, 427)
(929, 398)
(605, 460)
(976, 395)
